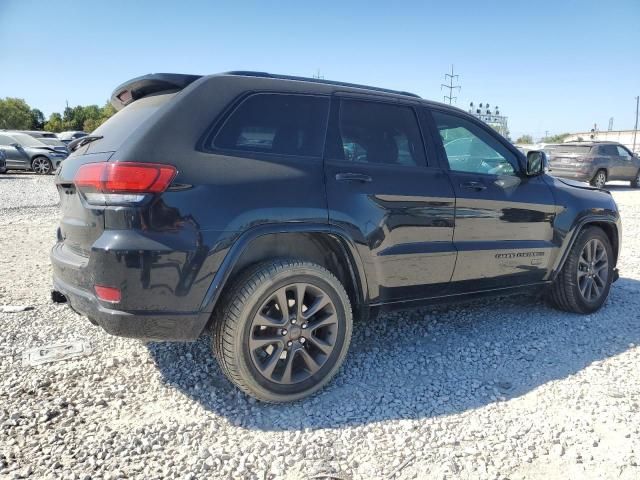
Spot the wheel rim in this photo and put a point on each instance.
(600, 180)
(593, 270)
(293, 333)
(41, 165)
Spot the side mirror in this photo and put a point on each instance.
(15, 145)
(537, 163)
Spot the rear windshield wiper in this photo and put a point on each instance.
(79, 142)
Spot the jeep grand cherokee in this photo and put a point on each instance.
(272, 210)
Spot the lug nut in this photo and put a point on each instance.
(284, 331)
(293, 321)
(289, 343)
(304, 325)
(302, 339)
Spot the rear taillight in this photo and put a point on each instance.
(119, 183)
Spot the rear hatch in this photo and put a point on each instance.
(83, 221)
(567, 155)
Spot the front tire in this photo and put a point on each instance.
(41, 165)
(635, 183)
(599, 179)
(283, 330)
(585, 280)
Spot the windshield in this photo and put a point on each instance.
(27, 140)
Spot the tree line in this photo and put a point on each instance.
(16, 114)
(559, 138)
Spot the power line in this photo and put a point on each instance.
(450, 77)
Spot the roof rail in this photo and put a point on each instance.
(245, 73)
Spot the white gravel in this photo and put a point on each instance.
(493, 389)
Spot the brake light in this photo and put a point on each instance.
(107, 183)
(108, 294)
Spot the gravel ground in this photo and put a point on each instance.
(493, 389)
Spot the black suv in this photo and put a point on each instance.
(272, 210)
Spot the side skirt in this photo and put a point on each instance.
(528, 289)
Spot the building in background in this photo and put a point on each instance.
(491, 118)
(625, 137)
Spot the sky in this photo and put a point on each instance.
(556, 66)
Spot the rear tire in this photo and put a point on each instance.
(599, 179)
(583, 284)
(41, 165)
(283, 354)
(635, 183)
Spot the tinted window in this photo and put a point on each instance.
(623, 152)
(369, 132)
(4, 140)
(582, 149)
(278, 124)
(470, 148)
(609, 150)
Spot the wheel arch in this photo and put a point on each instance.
(320, 244)
(608, 224)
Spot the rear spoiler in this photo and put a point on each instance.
(139, 87)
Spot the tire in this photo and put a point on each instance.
(41, 165)
(568, 290)
(599, 179)
(251, 331)
(635, 183)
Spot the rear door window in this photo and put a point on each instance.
(379, 133)
(277, 124)
(608, 150)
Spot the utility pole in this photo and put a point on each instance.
(450, 77)
(635, 129)
(318, 76)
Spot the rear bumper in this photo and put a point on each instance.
(572, 173)
(176, 326)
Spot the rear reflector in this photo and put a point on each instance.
(108, 294)
(122, 182)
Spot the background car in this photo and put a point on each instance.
(594, 162)
(71, 135)
(23, 152)
(3, 162)
(57, 144)
(37, 133)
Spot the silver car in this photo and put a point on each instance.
(594, 162)
(23, 152)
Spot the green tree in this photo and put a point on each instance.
(55, 123)
(525, 139)
(15, 113)
(559, 138)
(37, 119)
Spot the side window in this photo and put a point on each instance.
(609, 150)
(471, 149)
(370, 132)
(278, 124)
(623, 152)
(4, 140)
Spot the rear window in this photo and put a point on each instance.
(582, 149)
(277, 124)
(120, 126)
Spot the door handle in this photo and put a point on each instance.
(353, 177)
(477, 186)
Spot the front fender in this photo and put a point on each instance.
(587, 217)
